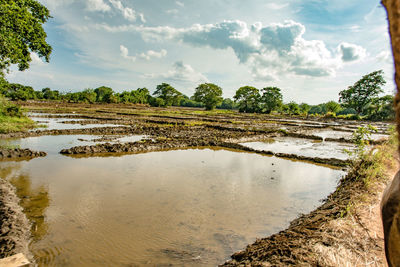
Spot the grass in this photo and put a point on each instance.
(15, 124)
(12, 118)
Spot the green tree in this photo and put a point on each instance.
(87, 96)
(333, 107)
(247, 98)
(140, 96)
(381, 108)
(209, 94)
(363, 91)
(21, 32)
(293, 108)
(104, 94)
(227, 103)
(271, 99)
(304, 108)
(169, 94)
(20, 92)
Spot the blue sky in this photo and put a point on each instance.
(310, 49)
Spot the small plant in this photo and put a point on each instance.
(361, 139)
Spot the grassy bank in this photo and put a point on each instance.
(344, 231)
(12, 118)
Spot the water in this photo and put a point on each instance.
(348, 135)
(57, 124)
(190, 207)
(303, 147)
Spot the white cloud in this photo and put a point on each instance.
(275, 6)
(181, 73)
(384, 56)
(172, 11)
(125, 53)
(97, 5)
(127, 12)
(153, 54)
(181, 4)
(270, 50)
(351, 52)
(36, 60)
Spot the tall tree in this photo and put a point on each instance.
(169, 94)
(248, 98)
(271, 99)
(209, 94)
(363, 91)
(104, 94)
(21, 32)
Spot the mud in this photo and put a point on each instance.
(18, 153)
(302, 242)
(14, 226)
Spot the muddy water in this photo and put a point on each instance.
(303, 147)
(57, 124)
(186, 207)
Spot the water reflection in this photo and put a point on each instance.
(303, 147)
(186, 207)
(34, 200)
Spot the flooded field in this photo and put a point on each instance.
(303, 147)
(193, 207)
(191, 200)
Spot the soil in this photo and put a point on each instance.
(345, 231)
(14, 226)
(18, 153)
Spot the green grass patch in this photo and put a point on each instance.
(15, 124)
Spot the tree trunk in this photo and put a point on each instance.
(391, 199)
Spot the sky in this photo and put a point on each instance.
(311, 49)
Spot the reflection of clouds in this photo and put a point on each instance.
(303, 147)
(102, 207)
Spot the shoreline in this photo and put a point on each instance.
(14, 225)
(346, 230)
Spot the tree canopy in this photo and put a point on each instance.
(209, 94)
(247, 98)
(21, 32)
(363, 91)
(168, 94)
(271, 99)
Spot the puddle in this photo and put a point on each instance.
(53, 144)
(303, 147)
(343, 134)
(184, 207)
(57, 124)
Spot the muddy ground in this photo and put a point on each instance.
(179, 128)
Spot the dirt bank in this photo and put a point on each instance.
(14, 226)
(18, 153)
(344, 231)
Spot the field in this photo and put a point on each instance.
(90, 134)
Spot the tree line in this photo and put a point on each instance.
(359, 100)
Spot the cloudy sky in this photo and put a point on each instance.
(311, 49)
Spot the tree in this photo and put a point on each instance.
(293, 108)
(227, 103)
(271, 99)
(333, 107)
(381, 108)
(363, 91)
(104, 94)
(169, 94)
(21, 33)
(247, 98)
(304, 108)
(209, 94)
